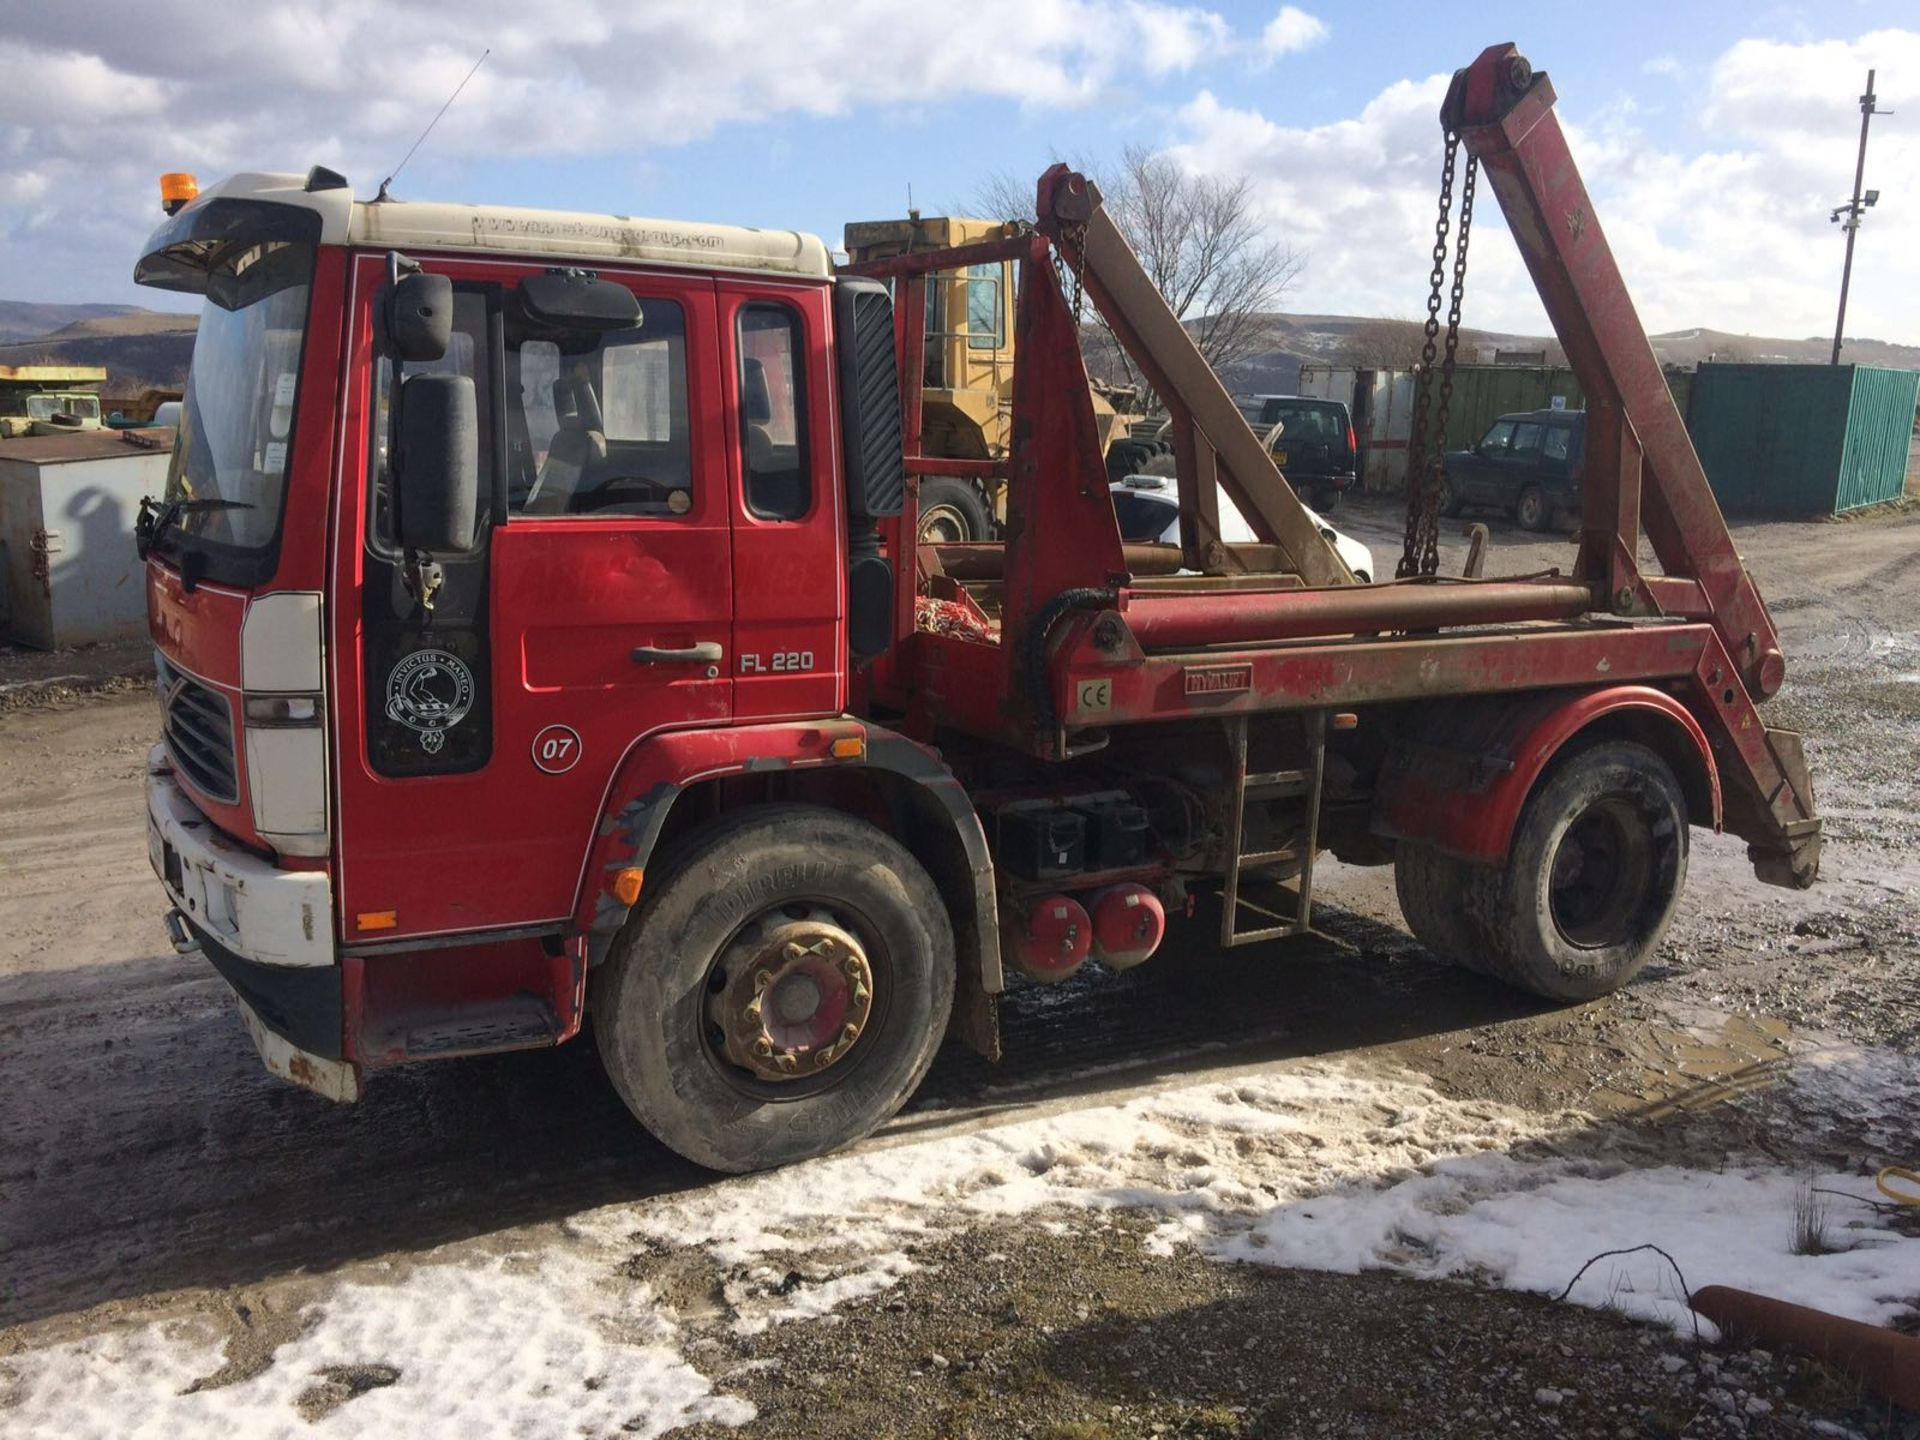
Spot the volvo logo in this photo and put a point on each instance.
(430, 692)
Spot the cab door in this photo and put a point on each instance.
(597, 608)
(789, 525)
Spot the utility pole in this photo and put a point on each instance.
(1853, 209)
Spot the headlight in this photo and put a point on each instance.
(283, 710)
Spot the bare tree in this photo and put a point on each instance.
(1200, 240)
(1381, 345)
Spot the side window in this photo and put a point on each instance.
(1559, 442)
(1526, 441)
(983, 307)
(597, 422)
(463, 357)
(773, 413)
(1495, 441)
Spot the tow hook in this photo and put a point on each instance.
(180, 935)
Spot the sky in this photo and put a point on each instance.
(1714, 137)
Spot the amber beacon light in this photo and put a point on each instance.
(177, 188)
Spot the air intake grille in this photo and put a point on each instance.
(198, 725)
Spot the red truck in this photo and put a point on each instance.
(540, 634)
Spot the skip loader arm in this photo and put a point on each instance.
(1212, 440)
(1641, 469)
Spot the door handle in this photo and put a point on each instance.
(707, 652)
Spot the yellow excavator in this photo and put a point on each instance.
(968, 400)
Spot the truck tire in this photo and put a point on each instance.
(1591, 879)
(1531, 509)
(778, 906)
(952, 512)
(1450, 502)
(1430, 884)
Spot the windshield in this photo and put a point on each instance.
(45, 407)
(236, 419)
(1320, 424)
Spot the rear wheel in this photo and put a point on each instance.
(1450, 502)
(1326, 499)
(1591, 879)
(1430, 884)
(782, 991)
(952, 512)
(1531, 509)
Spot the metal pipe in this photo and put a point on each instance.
(987, 559)
(1160, 621)
(1884, 1360)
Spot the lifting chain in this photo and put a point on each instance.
(1072, 237)
(1427, 442)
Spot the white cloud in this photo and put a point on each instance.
(1724, 225)
(1291, 30)
(1667, 64)
(97, 100)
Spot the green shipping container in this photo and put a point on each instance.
(1803, 439)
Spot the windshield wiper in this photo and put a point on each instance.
(157, 516)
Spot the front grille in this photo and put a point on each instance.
(198, 724)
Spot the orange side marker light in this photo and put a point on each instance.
(626, 885)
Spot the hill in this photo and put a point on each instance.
(138, 347)
(25, 319)
(1291, 340)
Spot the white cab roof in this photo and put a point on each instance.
(559, 234)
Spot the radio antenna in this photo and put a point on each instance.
(430, 124)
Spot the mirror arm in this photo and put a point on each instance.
(423, 577)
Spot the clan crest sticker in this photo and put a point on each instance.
(429, 692)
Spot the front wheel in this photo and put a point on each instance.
(780, 993)
(1591, 879)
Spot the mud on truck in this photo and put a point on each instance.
(543, 631)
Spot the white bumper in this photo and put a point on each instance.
(253, 908)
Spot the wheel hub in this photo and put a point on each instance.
(1600, 873)
(794, 996)
(942, 525)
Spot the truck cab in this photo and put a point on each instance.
(468, 506)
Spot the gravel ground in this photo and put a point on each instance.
(1082, 1335)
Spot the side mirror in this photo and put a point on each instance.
(437, 464)
(420, 317)
(576, 300)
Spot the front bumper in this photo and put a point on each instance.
(268, 931)
(250, 906)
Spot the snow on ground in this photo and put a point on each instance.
(1316, 1165)
(516, 1345)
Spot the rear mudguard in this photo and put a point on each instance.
(659, 769)
(1462, 769)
